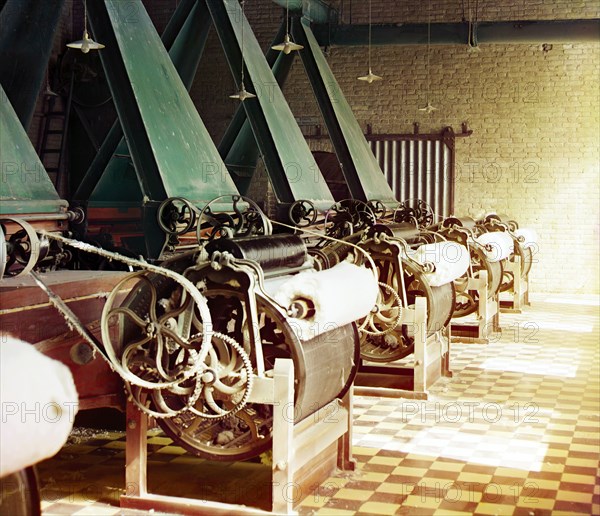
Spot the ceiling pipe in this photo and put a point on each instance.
(316, 11)
(551, 31)
(515, 32)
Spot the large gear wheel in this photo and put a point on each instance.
(385, 315)
(149, 341)
(247, 433)
(243, 217)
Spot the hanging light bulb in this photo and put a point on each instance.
(288, 45)
(85, 44)
(242, 94)
(428, 108)
(370, 77)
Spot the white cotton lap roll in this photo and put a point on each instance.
(501, 245)
(340, 295)
(451, 261)
(530, 237)
(38, 401)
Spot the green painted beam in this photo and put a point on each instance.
(292, 169)
(27, 30)
(172, 152)
(24, 184)
(178, 19)
(171, 149)
(238, 146)
(185, 38)
(359, 166)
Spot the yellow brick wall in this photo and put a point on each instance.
(535, 116)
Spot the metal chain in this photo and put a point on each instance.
(198, 357)
(72, 320)
(142, 264)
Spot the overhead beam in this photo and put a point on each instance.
(184, 37)
(362, 173)
(511, 32)
(293, 172)
(26, 33)
(316, 11)
(25, 185)
(554, 31)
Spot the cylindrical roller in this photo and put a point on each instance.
(461, 222)
(498, 245)
(450, 260)
(31, 380)
(324, 367)
(271, 252)
(324, 290)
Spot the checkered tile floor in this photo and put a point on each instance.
(516, 430)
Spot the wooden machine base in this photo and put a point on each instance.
(518, 295)
(404, 379)
(487, 316)
(304, 453)
(26, 313)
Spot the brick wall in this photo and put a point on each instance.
(535, 115)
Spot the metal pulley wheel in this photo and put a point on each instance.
(385, 315)
(378, 208)
(24, 249)
(242, 218)
(177, 216)
(302, 214)
(156, 340)
(348, 216)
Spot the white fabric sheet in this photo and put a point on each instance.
(451, 261)
(530, 236)
(340, 295)
(39, 402)
(501, 243)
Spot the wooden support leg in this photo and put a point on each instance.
(496, 318)
(483, 306)
(445, 362)
(136, 453)
(421, 359)
(283, 437)
(517, 285)
(345, 462)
